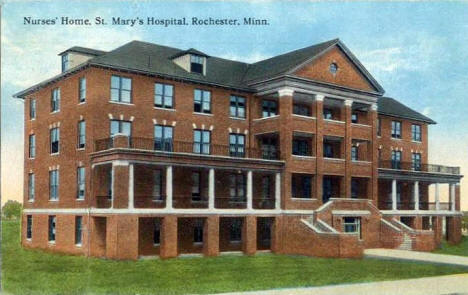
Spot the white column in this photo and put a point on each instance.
(112, 185)
(249, 190)
(416, 195)
(437, 196)
(394, 193)
(130, 187)
(211, 189)
(278, 191)
(169, 187)
(452, 196)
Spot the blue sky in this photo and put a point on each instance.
(417, 51)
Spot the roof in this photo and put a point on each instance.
(84, 50)
(391, 107)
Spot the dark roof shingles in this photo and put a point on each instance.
(391, 107)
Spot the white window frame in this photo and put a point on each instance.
(80, 183)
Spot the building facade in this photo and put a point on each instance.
(149, 150)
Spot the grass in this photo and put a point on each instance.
(38, 272)
(460, 249)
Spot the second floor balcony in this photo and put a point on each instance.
(419, 167)
(184, 147)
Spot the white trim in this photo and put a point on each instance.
(374, 107)
(334, 121)
(334, 159)
(390, 225)
(304, 157)
(304, 199)
(394, 138)
(351, 212)
(236, 118)
(203, 114)
(415, 141)
(360, 125)
(164, 109)
(78, 245)
(419, 213)
(286, 91)
(361, 162)
(55, 112)
(319, 97)
(305, 117)
(264, 118)
(120, 163)
(122, 103)
(323, 223)
(348, 102)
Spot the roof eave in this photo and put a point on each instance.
(428, 121)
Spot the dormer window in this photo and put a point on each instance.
(65, 62)
(196, 64)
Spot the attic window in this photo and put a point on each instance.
(333, 68)
(196, 64)
(65, 62)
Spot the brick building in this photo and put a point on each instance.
(152, 150)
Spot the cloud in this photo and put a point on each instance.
(251, 58)
(426, 111)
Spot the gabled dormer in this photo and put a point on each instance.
(192, 61)
(76, 55)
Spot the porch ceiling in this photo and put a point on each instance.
(418, 176)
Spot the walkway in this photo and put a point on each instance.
(443, 285)
(416, 256)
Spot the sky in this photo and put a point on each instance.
(418, 52)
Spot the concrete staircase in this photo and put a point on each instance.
(407, 243)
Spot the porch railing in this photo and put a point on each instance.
(422, 206)
(234, 151)
(397, 165)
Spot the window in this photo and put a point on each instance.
(52, 223)
(202, 101)
(121, 89)
(196, 191)
(416, 132)
(54, 140)
(163, 95)
(396, 159)
(269, 108)
(266, 185)
(201, 141)
(269, 148)
(237, 187)
(156, 232)
(80, 183)
(396, 129)
(302, 110)
(81, 134)
(327, 189)
(109, 183)
(32, 146)
(379, 127)
(31, 187)
(301, 186)
(352, 225)
(32, 109)
(301, 147)
(236, 145)
(354, 153)
(120, 127)
(157, 185)
(53, 185)
(327, 114)
(327, 150)
(354, 188)
(354, 118)
(196, 64)
(55, 100)
(163, 138)
(198, 231)
(82, 90)
(333, 68)
(65, 62)
(78, 230)
(29, 227)
(237, 107)
(235, 230)
(416, 161)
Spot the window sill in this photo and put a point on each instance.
(197, 243)
(51, 243)
(53, 200)
(396, 138)
(203, 114)
(55, 112)
(80, 149)
(334, 121)
(237, 118)
(361, 125)
(360, 162)
(31, 158)
(33, 119)
(80, 200)
(29, 240)
(164, 109)
(304, 157)
(122, 103)
(31, 201)
(55, 154)
(304, 117)
(304, 199)
(334, 159)
(81, 103)
(78, 245)
(156, 245)
(265, 118)
(416, 141)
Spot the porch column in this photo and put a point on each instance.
(211, 189)
(437, 196)
(249, 190)
(394, 193)
(416, 195)
(169, 187)
(278, 191)
(452, 196)
(131, 186)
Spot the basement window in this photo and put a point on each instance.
(352, 225)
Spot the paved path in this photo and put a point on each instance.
(443, 285)
(416, 256)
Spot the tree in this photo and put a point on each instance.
(12, 209)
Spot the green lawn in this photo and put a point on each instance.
(460, 249)
(31, 271)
